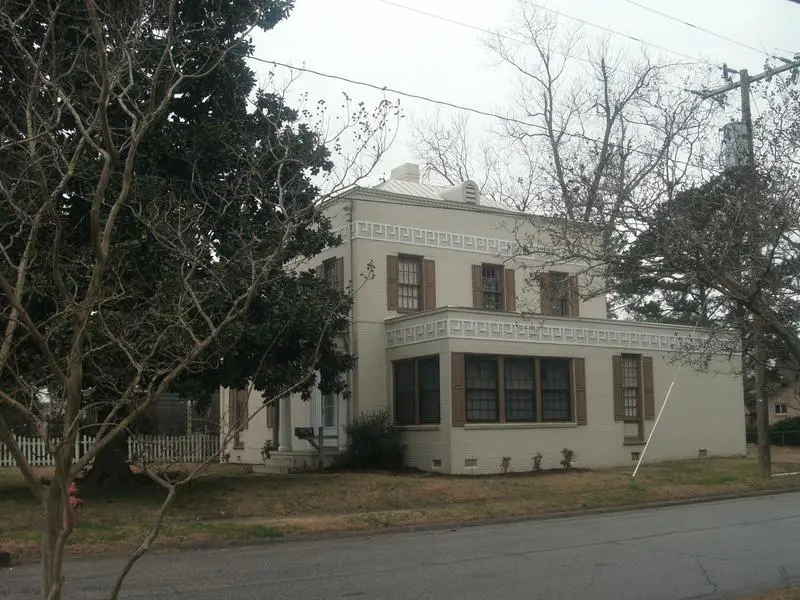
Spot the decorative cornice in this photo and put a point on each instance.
(632, 337)
(433, 238)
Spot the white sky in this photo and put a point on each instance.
(372, 41)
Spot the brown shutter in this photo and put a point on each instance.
(477, 286)
(320, 271)
(510, 292)
(579, 375)
(574, 297)
(458, 403)
(340, 273)
(619, 400)
(429, 269)
(271, 415)
(545, 299)
(392, 276)
(648, 388)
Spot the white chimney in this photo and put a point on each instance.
(406, 172)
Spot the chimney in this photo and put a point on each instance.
(406, 172)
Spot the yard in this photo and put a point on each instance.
(228, 503)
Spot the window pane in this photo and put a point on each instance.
(481, 392)
(630, 385)
(429, 390)
(520, 390)
(408, 285)
(559, 293)
(492, 288)
(556, 392)
(329, 410)
(404, 393)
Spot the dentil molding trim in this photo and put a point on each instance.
(629, 337)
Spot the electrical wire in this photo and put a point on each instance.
(697, 27)
(460, 107)
(694, 59)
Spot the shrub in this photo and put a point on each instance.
(567, 457)
(373, 443)
(537, 462)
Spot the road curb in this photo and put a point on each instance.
(432, 527)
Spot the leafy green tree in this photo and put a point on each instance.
(156, 210)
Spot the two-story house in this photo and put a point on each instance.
(481, 368)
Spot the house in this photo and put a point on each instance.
(479, 367)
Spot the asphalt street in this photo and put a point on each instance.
(715, 550)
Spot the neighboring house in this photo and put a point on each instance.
(477, 365)
(784, 403)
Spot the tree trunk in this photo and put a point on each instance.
(111, 464)
(52, 523)
(762, 408)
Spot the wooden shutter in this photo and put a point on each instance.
(320, 270)
(574, 296)
(619, 399)
(244, 408)
(429, 269)
(648, 388)
(510, 291)
(392, 276)
(579, 376)
(477, 286)
(458, 394)
(340, 273)
(271, 415)
(545, 299)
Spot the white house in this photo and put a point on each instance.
(479, 368)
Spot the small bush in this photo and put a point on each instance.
(373, 444)
(537, 462)
(505, 464)
(567, 457)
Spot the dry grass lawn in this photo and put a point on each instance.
(784, 594)
(228, 503)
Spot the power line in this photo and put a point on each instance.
(694, 59)
(461, 107)
(506, 37)
(697, 27)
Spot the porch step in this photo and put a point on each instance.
(282, 463)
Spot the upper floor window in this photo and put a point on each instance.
(493, 288)
(332, 270)
(781, 409)
(558, 293)
(410, 283)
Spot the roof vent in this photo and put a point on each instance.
(406, 172)
(466, 192)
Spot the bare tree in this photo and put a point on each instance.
(147, 216)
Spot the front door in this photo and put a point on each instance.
(330, 419)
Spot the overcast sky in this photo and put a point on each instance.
(372, 41)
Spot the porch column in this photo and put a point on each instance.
(285, 426)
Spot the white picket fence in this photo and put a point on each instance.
(196, 447)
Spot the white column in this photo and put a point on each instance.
(285, 424)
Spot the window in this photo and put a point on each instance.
(520, 388)
(329, 410)
(409, 283)
(329, 270)
(492, 278)
(482, 392)
(531, 389)
(332, 270)
(630, 386)
(556, 390)
(781, 409)
(559, 293)
(416, 391)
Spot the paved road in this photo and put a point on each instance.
(718, 550)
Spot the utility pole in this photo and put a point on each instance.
(758, 328)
